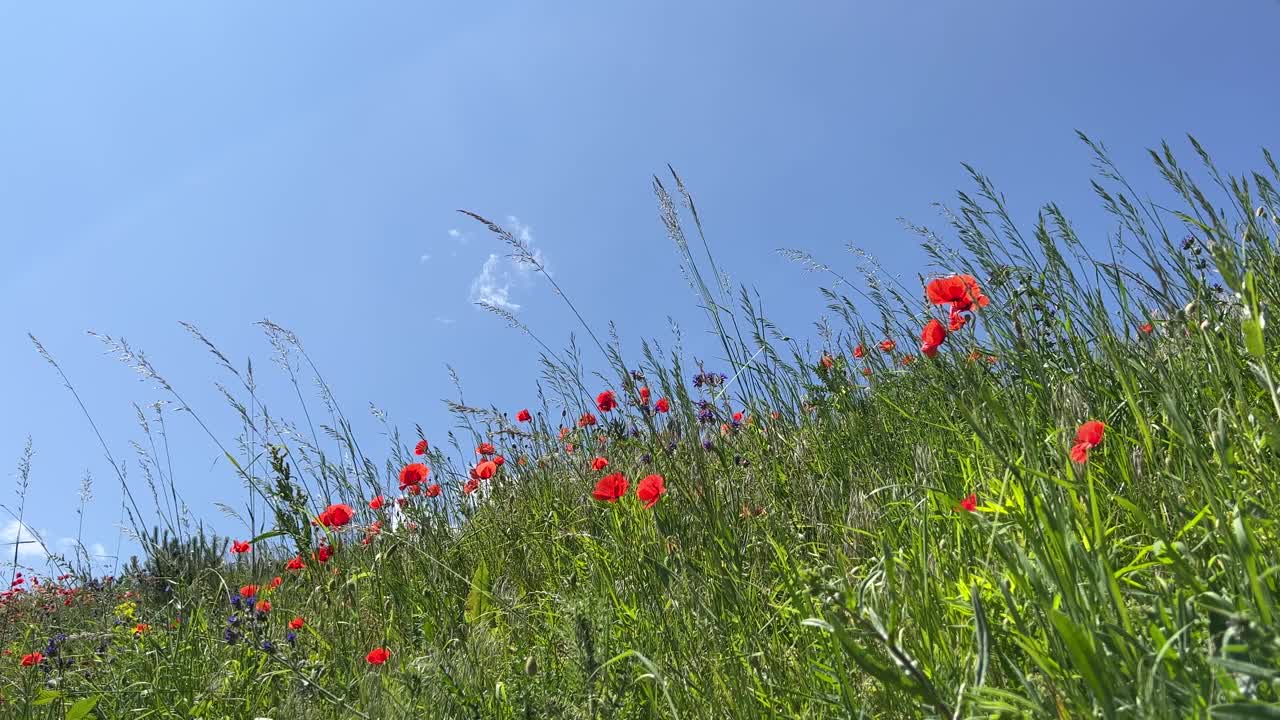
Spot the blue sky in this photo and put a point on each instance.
(220, 163)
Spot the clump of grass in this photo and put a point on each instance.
(841, 536)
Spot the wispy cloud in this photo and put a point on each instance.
(493, 285)
(500, 277)
(524, 233)
(97, 551)
(28, 550)
(426, 257)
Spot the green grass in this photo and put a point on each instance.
(811, 563)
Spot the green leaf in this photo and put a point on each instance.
(82, 708)
(1245, 668)
(1252, 328)
(356, 578)
(982, 634)
(877, 668)
(46, 697)
(1138, 513)
(266, 536)
(1084, 658)
(1244, 711)
(1253, 322)
(478, 599)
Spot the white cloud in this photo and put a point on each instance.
(453, 233)
(425, 257)
(28, 550)
(499, 277)
(68, 544)
(524, 233)
(493, 285)
(445, 320)
(96, 550)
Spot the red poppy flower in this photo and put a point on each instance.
(294, 563)
(336, 515)
(888, 345)
(737, 417)
(599, 463)
(827, 362)
(263, 606)
(644, 395)
(907, 359)
(412, 474)
(471, 486)
(1146, 328)
(1088, 437)
(323, 553)
(974, 355)
(524, 416)
(969, 504)
(961, 291)
(247, 591)
(568, 447)
(377, 656)
(650, 489)
(499, 460)
(932, 337)
(275, 582)
(485, 448)
(297, 623)
(663, 405)
(611, 488)
(586, 420)
(606, 401)
(414, 489)
(859, 352)
(377, 503)
(142, 627)
(956, 320)
(239, 547)
(31, 659)
(866, 372)
(486, 469)
(433, 490)
(420, 448)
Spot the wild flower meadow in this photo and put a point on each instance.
(1039, 480)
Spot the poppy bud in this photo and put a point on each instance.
(1190, 308)
(530, 666)
(1261, 211)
